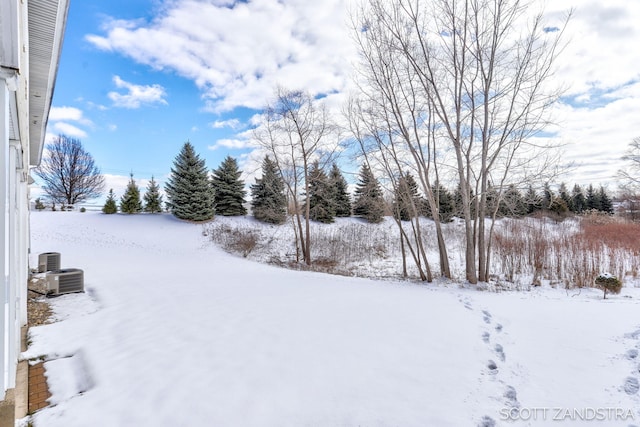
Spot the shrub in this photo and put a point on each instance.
(39, 205)
(609, 283)
(83, 209)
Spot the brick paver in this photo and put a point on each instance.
(38, 389)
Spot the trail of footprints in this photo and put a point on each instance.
(631, 384)
(510, 394)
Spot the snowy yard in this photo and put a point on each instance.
(172, 331)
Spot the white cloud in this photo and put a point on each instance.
(231, 123)
(68, 114)
(235, 144)
(237, 55)
(69, 130)
(238, 52)
(136, 95)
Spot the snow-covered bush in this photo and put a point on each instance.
(608, 283)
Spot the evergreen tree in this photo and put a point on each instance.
(110, 206)
(340, 192)
(321, 202)
(188, 189)
(533, 201)
(593, 201)
(269, 203)
(406, 198)
(369, 202)
(563, 193)
(513, 204)
(457, 200)
(547, 196)
(606, 204)
(444, 201)
(130, 201)
(446, 204)
(153, 198)
(492, 200)
(228, 189)
(578, 200)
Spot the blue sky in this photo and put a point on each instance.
(139, 78)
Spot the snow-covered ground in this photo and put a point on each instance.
(172, 331)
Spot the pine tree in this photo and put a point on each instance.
(457, 202)
(340, 193)
(268, 201)
(578, 200)
(593, 201)
(369, 202)
(563, 193)
(110, 206)
(321, 204)
(153, 198)
(446, 204)
(533, 201)
(513, 204)
(406, 198)
(606, 204)
(130, 200)
(492, 200)
(188, 189)
(229, 192)
(547, 196)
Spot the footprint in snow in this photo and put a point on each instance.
(485, 337)
(466, 302)
(632, 354)
(500, 352)
(635, 334)
(487, 316)
(487, 421)
(498, 327)
(493, 367)
(631, 385)
(512, 397)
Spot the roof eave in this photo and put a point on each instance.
(47, 22)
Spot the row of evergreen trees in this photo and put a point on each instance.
(408, 203)
(194, 196)
(130, 201)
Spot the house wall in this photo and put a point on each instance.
(14, 213)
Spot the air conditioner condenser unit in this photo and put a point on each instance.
(65, 281)
(48, 261)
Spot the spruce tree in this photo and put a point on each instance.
(606, 204)
(563, 193)
(446, 204)
(321, 202)
(110, 206)
(513, 204)
(593, 199)
(229, 192)
(369, 202)
(130, 201)
(268, 201)
(578, 200)
(188, 189)
(406, 199)
(153, 198)
(340, 192)
(534, 202)
(547, 196)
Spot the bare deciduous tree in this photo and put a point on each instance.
(630, 176)
(69, 172)
(296, 130)
(469, 78)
